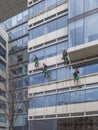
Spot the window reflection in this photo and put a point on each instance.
(64, 98)
(48, 27)
(48, 51)
(77, 7)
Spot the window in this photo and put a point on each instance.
(20, 83)
(77, 96)
(92, 69)
(2, 41)
(90, 5)
(50, 51)
(19, 58)
(50, 100)
(2, 52)
(48, 27)
(51, 26)
(61, 74)
(2, 66)
(91, 28)
(61, 46)
(19, 18)
(40, 54)
(60, 99)
(37, 79)
(76, 35)
(26, 81)
(62, 22)
(25, 15)
(92, 94)
(25, 41)
(75, 8)
(40, 102)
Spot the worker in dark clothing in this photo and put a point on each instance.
(65, 57)
(45, 70)
(36, 61)
(75, 75)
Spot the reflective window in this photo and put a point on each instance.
(2, 52)
(26, 81)
(64, 98)
(76, 33)
(50, 51)
(25, 15)
(92, 69)
(77, 96)
(61, 74)
(51, 100)
(37, 79)
(43, 6)
(60, 99)
(91, 28)
(61, 22)
(92, 94)
(2, 66)
(18, 31)
(18, 44)
(91, 4)
(40, 102)
(19, 18)
(48, 27)
(61, 46)
(2, 41)
(77, 7)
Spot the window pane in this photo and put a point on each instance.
(78, 96)
(50, 51)
(91, 4)
(50, 100)
(92, 94)
(91, 28)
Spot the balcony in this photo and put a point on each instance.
(83, 51)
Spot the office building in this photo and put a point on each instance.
(57, 101)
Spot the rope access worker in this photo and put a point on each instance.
(36, 61)
(46, 72)
(65, 57)
(75, 75)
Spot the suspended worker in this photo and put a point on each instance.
(65, 57)
(36, 61)
(45, 70)
(76, 75)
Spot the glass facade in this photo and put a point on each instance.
(50, 51)
(77, 7)
(70, 97)
(48, 27)
(43, 6)
(64, 73)
(80, 19)
(83, 31)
